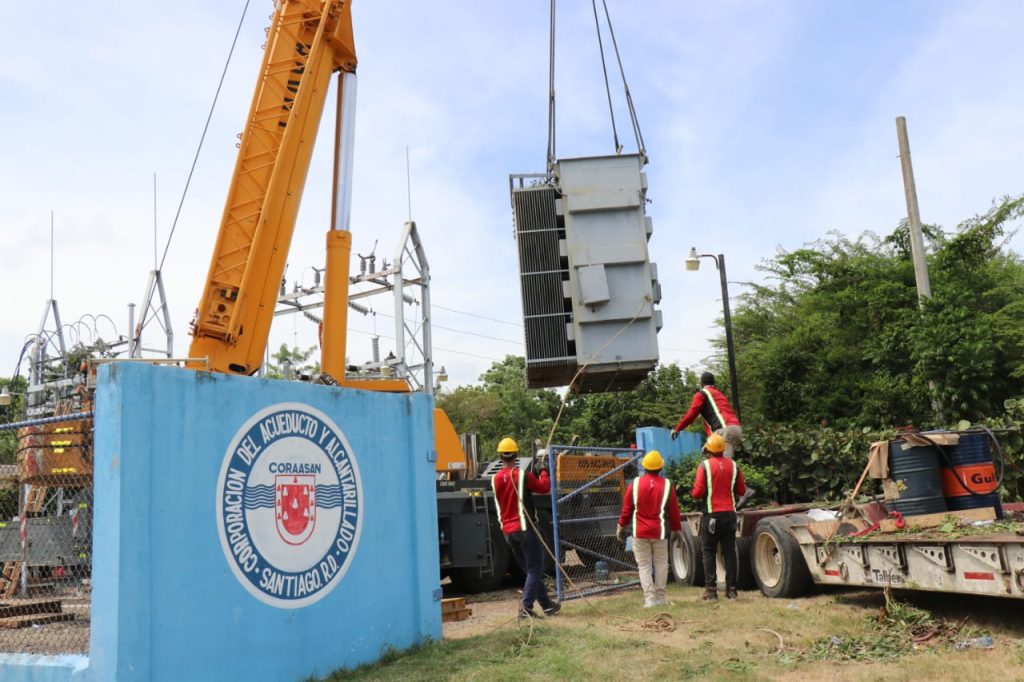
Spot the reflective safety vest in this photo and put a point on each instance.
(713, 416)
(710, 481)
(650, 507)
(515, 507)
(662, 528)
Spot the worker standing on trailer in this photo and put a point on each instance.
(718, 479)
(651, 509)
(711, 404)
(513, 496)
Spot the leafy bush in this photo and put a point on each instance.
(8, 503)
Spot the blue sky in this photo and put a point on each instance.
(767, 123)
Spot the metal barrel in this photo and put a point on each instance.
(919, 470)
(972, 463)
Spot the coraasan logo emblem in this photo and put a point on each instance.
(289, 505)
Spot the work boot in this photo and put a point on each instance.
(552, 608)
(710, 594)
(730, 592)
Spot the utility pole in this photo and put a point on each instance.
(729, 348)
(924, 287)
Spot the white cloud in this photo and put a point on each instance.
(752, 144)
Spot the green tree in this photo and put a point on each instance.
(11, 413)
(837, 335)
(611, 419)
(295, 360)
(502, 406)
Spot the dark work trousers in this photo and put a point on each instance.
(528, 553)
(724, 535)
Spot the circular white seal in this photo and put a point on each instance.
(289, 505)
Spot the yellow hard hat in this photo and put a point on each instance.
(507, 446)
(653, 461)
(715, 444)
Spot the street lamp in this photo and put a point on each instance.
(693, 264)
(442, 376)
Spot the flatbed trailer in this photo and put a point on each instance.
(790, 552)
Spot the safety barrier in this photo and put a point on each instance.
(46, 503)
(586, 502)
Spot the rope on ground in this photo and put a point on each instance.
(782, 644)
(662, 622)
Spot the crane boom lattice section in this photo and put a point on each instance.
(306, 42)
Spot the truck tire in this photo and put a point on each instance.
(686, 560)
(744, 564)
(775, 557)
(744, 570)
(472, 579)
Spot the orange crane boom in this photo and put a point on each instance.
(307, 41)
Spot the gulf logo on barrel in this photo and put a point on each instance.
(289, 505)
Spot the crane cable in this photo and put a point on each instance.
(604, 70)
(631, 107)
(551, 92)
(641, 147)
(202, 137)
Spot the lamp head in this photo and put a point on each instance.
(693, 260)
(5, 397)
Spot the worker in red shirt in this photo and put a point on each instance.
(719, 417)
(719, 480)
(513, 496)
(651, 510)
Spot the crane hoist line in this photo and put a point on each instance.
(628, 96)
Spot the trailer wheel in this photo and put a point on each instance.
(685, 559)
(778, 565)
(472, 579)
(744, 570)
(744, 563)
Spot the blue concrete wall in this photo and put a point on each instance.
(166, 603)
(685, 447)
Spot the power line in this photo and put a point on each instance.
(482, 336)
(447, 350)
(482, 317)
(202, 137)
(457, 331)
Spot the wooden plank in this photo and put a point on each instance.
(30, 608)
(935, 520)
(453, 616)
(453, 604)
(9, 580)
(27, 621)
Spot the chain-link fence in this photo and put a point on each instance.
(46, 502)
(586, 501)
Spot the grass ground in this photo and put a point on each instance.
(753, 638)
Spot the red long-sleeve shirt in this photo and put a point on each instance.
(726, 481)
(713, 406)
(512, 495)
(651, 507)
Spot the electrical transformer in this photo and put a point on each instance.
(588, 287)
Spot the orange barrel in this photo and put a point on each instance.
(972, 464)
